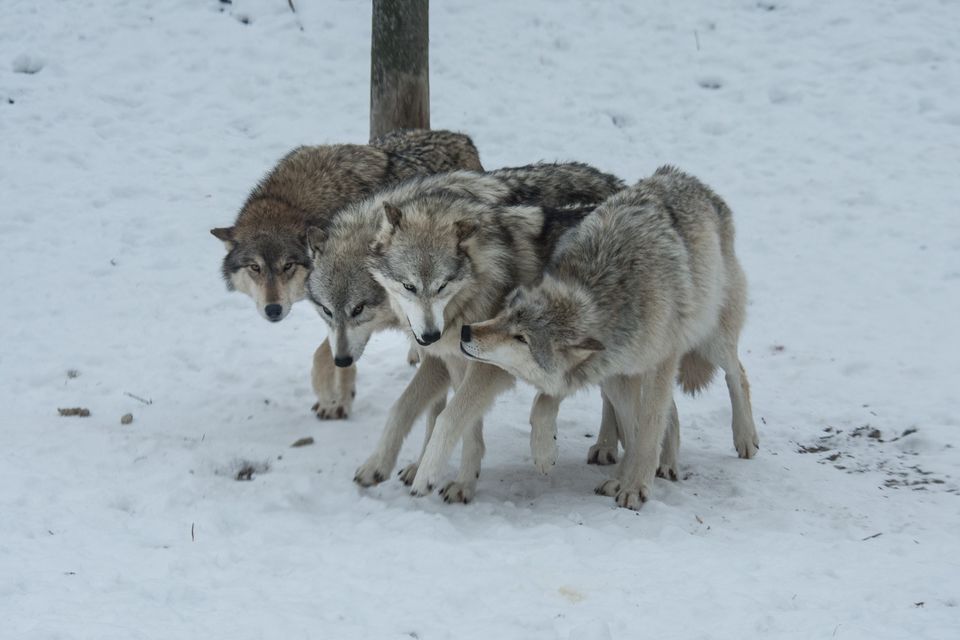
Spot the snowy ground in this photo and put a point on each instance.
(128, 129)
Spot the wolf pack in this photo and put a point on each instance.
(557, 274)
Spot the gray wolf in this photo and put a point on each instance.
(446, 260)
(267, 254)
(646, 290)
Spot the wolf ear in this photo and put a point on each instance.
(394, 215)
(584, 349)
(465, 229)
(224, 234)
(315, 238)
(514, 297)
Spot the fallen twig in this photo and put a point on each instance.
(876, 535)
(135, 397)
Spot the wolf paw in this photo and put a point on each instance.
(631, 499)
(545, 454)
(371, 472)
(609, 488)
(422, 485)
(458, 492)
(408, 473)
(333, 408)
(747, 447)
(668, 471)
(602, 455)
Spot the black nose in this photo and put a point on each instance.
(430, 338)
(273, 311)
(344, 361)
(465, 333)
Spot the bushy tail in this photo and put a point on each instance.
(695, 373)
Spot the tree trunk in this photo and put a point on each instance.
(399, 66)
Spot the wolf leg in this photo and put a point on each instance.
(612, 392)
(721, 351)
(671, 446)
(543, 431)
(465, 486)
(605, 451)
(428, 384)
(473, 396)
(642, 404)
(410, 471)
(334, 386)
(745, 437)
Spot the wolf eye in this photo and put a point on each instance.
(357, 310)
(409, 287)
(520, 338)
(326, 311)
(443, 286)
(287, 267)
(254, 267)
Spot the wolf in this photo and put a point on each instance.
(267, 256)
(645, 291)
(447, 260)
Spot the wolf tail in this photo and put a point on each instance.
(696, 372)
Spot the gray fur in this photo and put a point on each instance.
(650, 277)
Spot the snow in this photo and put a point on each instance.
(129, 129)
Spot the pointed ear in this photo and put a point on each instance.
(584, 349)
(465, 229)
(394, 215)
(514, 297)
(589, 344)
(316, 237)
(225, 235)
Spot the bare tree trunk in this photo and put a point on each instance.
(399, 66)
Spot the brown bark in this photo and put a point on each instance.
(399, 66)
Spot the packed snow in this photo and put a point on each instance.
(128, 129)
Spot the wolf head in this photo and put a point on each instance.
(269, 265)
(541, 335)
(344, 293)
(421, 258)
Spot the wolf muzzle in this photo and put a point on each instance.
(465, 333)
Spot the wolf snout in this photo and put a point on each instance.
(273, 311)
(465, 333)
(343, 361)
(429, 337)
